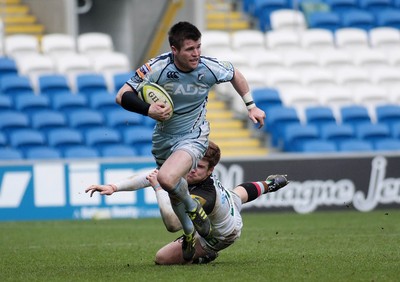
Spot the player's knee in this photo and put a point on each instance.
(166, 180)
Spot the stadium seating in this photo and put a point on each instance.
(355, 115)
(248, 40)
(358, 19)
(43, 153)
(355, 146)
(266, 98)
(119, 79)
(47, 120)
(10, 154)
(137, 137)
(3, 140)
(64, 138)
(30, 104)
(103, 102)
(81, 152)
(53, 84)
(384, 38)
(20, 45)
(121, 119)
(94, 43)
(6, 103)
(99, 137)
(337, 133)
(85, 119)
(324, 19)
(287, 19)
(57, 45)
(118, 150)
(295, 135)
(387, 145)
(282, 40)
(277, 119)
(388, 114)
(16, 85)
(318, 146)
(24, 139)
(8, 66)
(388, 18)
(67, 103)
(373, 132)
(320, 116)
(13, 120)
(317, 39)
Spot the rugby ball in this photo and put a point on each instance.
(152, 93)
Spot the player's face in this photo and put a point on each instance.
(200, 173)
(188, 57)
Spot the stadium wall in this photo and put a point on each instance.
(55, 189)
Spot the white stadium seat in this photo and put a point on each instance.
(352, 77)
(384, 38)
(370, 59)
(215, 40)
(351, 39)
(19, 45)
(335, 59)
(248, 40)
(300, 60)
(316, 78)
(317, 39)
(287, 19)
(92, 43)
(58, 44)
(336, 97)
(282, 40)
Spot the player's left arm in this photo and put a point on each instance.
(240, 84)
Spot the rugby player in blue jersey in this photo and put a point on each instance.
(181, 141)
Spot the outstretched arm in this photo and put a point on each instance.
(240, 84)
(133, 183)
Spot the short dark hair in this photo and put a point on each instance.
(182, 31)
(213, 154)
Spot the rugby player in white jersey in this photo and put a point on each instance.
(180, 142)
(222, 206)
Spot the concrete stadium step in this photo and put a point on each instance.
(225, 124)
(238, 143)
(220, 15)
(18, 19)
(228, 134)
(15, 9)
(244, 152)
(219, 114)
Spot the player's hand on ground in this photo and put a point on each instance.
(160, 111)
(103, 189)
(257, 116)
(152, 178)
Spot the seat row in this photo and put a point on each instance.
(330, 14)
(219, 41)
(133, 141)
(321, 122)
(13, 84)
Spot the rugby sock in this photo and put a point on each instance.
(255, 189)
(180, 211)
(181, 192)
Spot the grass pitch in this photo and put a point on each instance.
(322, 246)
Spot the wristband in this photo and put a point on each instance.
(157, 187)
(131, 102)
(248, 100)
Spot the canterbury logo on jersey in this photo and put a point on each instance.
(173, 75)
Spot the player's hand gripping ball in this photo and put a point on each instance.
(152, 93)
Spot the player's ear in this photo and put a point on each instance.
(174, 49)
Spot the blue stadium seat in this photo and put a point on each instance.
(296, 135)
(262, 10)
(13, 120)
(31, 104)
(99, 137)
(48, 120)
(63, 138)
(90, 83)
(355, 145)
(373, 132)
(53, 84)
(3, 140)
(15, 85)
(10, 154)
(118, 150)
(319, 146)
(375, 5)
(277, 119)
(43, 153)
(81, 152)
(326, 20)
(395, 130)
(388, 114)
(68, 103)
(354, 115)
(85, 119)
(340, 6)
(121, 78)
(337, 133)
(103, 102)
(320, 116)
(387, 145)
(122, 119)
(388, 18)
(145, 150)
(24, 139)
(137, 137)
(8, 67)
(266, 98)
(358, 19)
(6, 103)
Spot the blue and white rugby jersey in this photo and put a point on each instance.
(188, 90)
